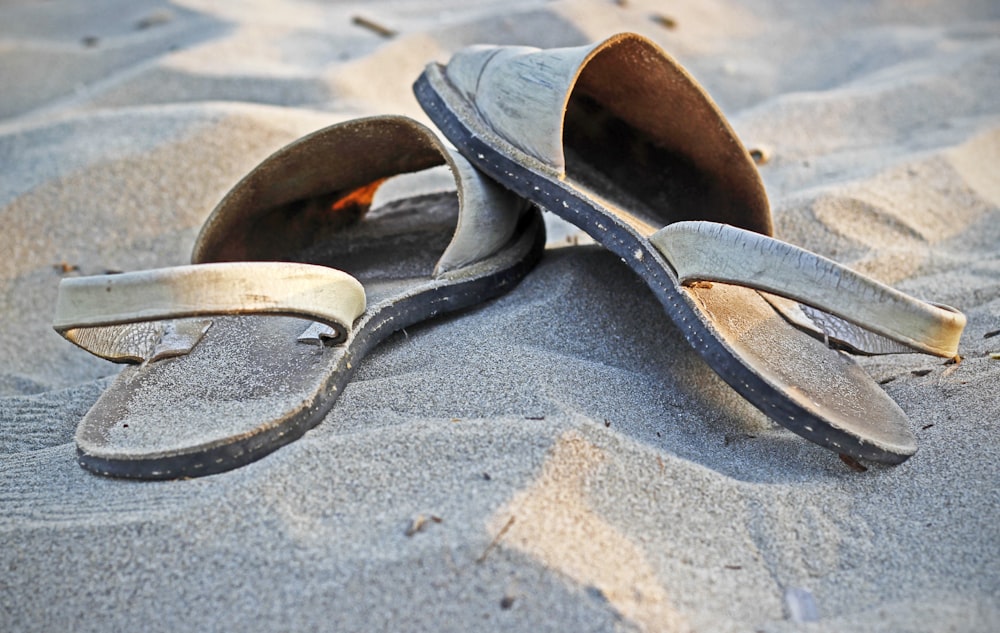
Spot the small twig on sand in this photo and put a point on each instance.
(665, 21)
(420, 522)
(373, 26)
(496, 540)
(852, 463)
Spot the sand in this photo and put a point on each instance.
(557, 459)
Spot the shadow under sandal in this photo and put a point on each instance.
(294, 280)
(620, 140)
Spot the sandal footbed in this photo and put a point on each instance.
(201, 414)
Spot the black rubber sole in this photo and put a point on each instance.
(638, 253)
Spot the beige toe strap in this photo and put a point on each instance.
(152, 314)
(840, 303)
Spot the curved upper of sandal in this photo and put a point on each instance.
(310, 188)
(294, 279)
(298, 197)
(617, 138)
(548, 105)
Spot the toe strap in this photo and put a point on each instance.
(840, 303)
(152, 314)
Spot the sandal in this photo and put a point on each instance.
(293, 281)
(620, 140)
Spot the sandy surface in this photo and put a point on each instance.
(588, 471)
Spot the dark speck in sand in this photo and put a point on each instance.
(154, 19)
(729, 439)
(596, 593)
(853, 464)
(920, 372)
(991, 334)
(506, 602)
(90, 41)
(665, 21)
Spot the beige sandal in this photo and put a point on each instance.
(294, 280)
(620, 140)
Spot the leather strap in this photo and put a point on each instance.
(860, 311)
(146, 315)
(327, 180)
(531, 104)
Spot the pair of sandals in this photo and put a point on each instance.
(247, 348)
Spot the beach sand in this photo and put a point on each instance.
(571, 464)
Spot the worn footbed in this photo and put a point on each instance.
(249, 386)
(797, 380)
